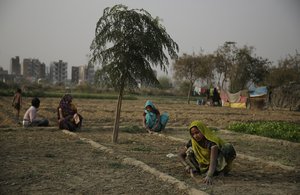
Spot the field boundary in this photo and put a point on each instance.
(131, 161)
(239, 155)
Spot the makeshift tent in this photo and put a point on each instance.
(258, 91)
(234, 100)
(258, 97)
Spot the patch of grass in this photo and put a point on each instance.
(82, 95)
(141, 149)
(49, 155)
(277, 130)
(31, 174)
(97, 152)
(91, 96)
(80, 142)
(116, 165)
(133, 129)
(128, 141)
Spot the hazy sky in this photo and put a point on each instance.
(53, 30)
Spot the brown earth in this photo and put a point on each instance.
(49, 161)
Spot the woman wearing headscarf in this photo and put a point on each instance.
(152, 119)
(67, 115)
(206, 153)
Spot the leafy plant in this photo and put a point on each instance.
(272, 129)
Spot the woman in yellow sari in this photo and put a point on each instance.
(206, 152)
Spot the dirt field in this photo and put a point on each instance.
(51, 161)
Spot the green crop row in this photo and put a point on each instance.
(277, 130)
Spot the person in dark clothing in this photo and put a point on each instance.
(67, 115)
(216, 98)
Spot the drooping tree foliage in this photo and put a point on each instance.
(127, 43)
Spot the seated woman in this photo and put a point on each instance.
(206, 153)
(30, 117)
(152, 120)
(67, 115)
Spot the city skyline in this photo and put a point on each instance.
(63, 30)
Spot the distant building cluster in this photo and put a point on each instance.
(32, 70)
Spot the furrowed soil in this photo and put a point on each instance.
(51, 161)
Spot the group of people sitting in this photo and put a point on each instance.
(67, 115)
(205, 153)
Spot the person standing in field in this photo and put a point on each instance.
(17, 102)
(216, 99)
(153, 121)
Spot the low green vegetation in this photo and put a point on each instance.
(90, 96)
(117, 165)
(142, 149)
(277, 130)
(132, 129)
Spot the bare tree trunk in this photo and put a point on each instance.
(222, 86)
(189, 93)
(117, 117)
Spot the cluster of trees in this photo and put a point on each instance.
(128, 43)
(287, 71)
(234, 68)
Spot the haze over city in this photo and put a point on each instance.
(63, 29)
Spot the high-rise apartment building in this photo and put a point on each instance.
(82, 74)
(5, 77)
(33, 69)
(15, 66)
(90, 74)
(75, 74)
(59, 72)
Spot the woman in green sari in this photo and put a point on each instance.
(152, 119)
(206, 153)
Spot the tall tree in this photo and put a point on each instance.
(206, 70)
(192, 67)
(128, 42)
(240, 66)
(185, 68)
(247, 69)
(224, 60)
(165, 82)
(287, 71)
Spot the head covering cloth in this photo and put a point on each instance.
(66, 105)
(203, 154)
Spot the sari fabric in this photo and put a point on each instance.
(66, 105)
(151, 117)
(202, 155)
(69, 113)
